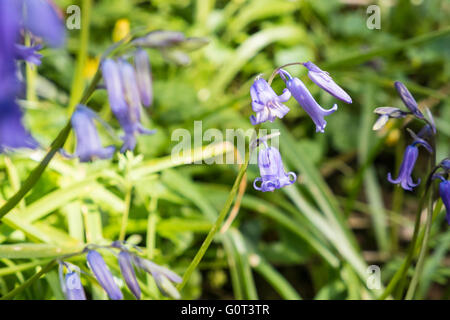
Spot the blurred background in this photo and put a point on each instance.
(313, 240)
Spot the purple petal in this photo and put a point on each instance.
(88, 145)
(324, 81)
(74, 289)
(127, 270)
(43, 21)
(444, 192)
(103, 275)
(144, 76)
(28, 54)
(307, 101)
(408, 99)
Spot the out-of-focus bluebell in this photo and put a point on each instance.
(89, 146)
(127, 270)
(385, 113)
(163, 277)
(103, 275)
(271, 168)
(28, 54)
(160, 39)
(408, 99)
(444, 192)
(42, 20)
(324, 81)
(124, 98)
(266, 103)
(13, 134)
(445, 164)
(306, 101)
(73, 287)
(144, 77)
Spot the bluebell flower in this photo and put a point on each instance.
(13, 134)
(444, 192)
(408, 99)
(163, 277)
(407, 166)
(127, 270)
(386, 113)
(266, 103)
(123, 93)
(144, 77)
(160, 39)
(103, 275)
(41, 19)
(271, 168)
(306, 101)
(89, 146)
(73, 287)
(28, 54)
(445, 164)
(324, 81)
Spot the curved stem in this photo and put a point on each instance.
(215, 228)
(275, 72)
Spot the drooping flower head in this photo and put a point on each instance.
(404, 178)
(163, 277)
(42, 20)
(144, 76)
(103, 275)
(266, 103)
(73, 287)
(444, 192)
(89, 146)
(324, 81)
(408, 99)
(306, 100)
(124, 98)
(71, 282)
(13, 134)
(127, 270)
(271, 168)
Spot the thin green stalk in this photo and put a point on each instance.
(151, 228)
(77, 83)
(215, 228)
(423, 250)
(404, 268)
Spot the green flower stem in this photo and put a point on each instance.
(404, 268)
(423, 250)
(77, 83)
(151, 228)
(215, 228)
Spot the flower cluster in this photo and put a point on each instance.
(17, 16)
(128, 262)
(425, 138)
(268, 106)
